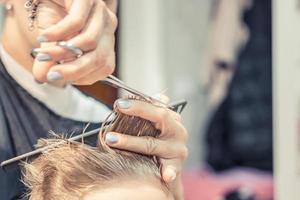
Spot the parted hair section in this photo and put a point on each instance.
(72, 169)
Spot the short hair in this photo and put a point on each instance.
(72, 169)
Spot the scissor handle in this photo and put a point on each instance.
(178, 106)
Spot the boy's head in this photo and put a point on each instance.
(78, 171)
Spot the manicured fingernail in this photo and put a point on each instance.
(172, 176)
(41, 39)
(38, 82)
(54, 76)
(111, 138)
(123, 103)
(34, 52)
(42, 57)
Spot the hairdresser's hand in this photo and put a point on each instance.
(170, 146)
(87, 24)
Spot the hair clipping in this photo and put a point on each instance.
(14, 162)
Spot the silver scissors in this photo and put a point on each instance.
(117, 83)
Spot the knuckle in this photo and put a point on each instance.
(91, 42)
(38, 77)
(110, 18)
(114, 21)
(151, 145)
(101, 4)
(92, 2)
(184, 153)
(184, 133)
(163, 115)
(77, 22)
(178, 117)
(157, 126)
(89, 82)
(72, 74)
(77, 71)
(110, 69)
(100, 61)
(123, 141)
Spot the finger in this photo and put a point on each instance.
(53, 53)
(165, 99)
(73, 22)
(41, 68)
(179, 134)
(162, 118)
(95, 76)
(71, 71)
(103, 59)
(144, 110)
(170, 169)
(171, 174)
(88, 39)
(101, 64)
(144, 145)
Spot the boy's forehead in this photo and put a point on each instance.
(130, 190)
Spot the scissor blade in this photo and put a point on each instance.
(117, 83)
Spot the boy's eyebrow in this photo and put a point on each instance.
(13, 162)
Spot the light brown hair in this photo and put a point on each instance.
(72, 169)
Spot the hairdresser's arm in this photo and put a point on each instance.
(87, 24)
(170, 146)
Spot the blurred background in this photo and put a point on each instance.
(161, 49)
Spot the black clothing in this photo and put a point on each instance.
(23, 120)
(240, 132)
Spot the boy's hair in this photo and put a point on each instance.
(72, 169)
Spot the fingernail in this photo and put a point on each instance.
(111, 138)
(34, 52)
(54, 76)
(41, 39)
(170, 175)
(123, 103)
(173, 176)
(38, 82)
(43, 57)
